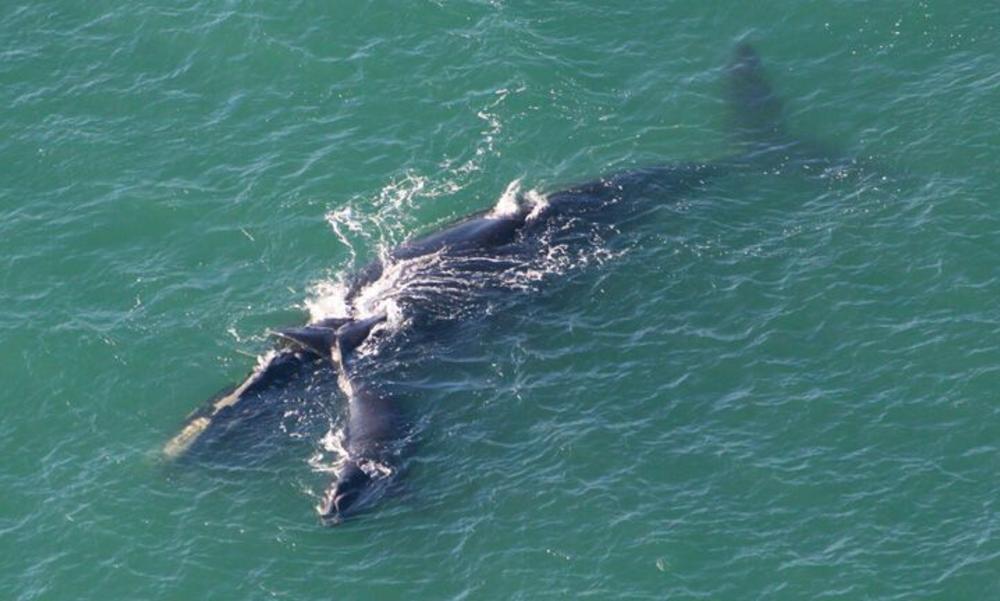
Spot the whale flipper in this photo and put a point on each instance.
(237, 403)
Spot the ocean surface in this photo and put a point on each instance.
(783, 385)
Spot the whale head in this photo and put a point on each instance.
(349, 493)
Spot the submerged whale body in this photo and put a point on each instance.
(433, 274)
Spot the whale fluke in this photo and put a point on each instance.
(755, 111)
(316, 339)
(351, 335)
(343, 334)
(332, 322)
(757, 119)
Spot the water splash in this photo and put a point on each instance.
(508, 204)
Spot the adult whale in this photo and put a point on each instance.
(424, 276)
(479, 253)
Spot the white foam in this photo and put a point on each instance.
(538, 202)
(508, 203)
(327, 299)
(332, 443)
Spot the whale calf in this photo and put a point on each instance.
(429, 276)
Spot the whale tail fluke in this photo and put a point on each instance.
(322, 338)
(316, 339)
(755, 112)
(756, 116)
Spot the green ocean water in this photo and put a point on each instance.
(784, 387)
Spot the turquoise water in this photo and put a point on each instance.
(784, 387)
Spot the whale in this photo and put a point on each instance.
(428, 275)
(475, 251)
